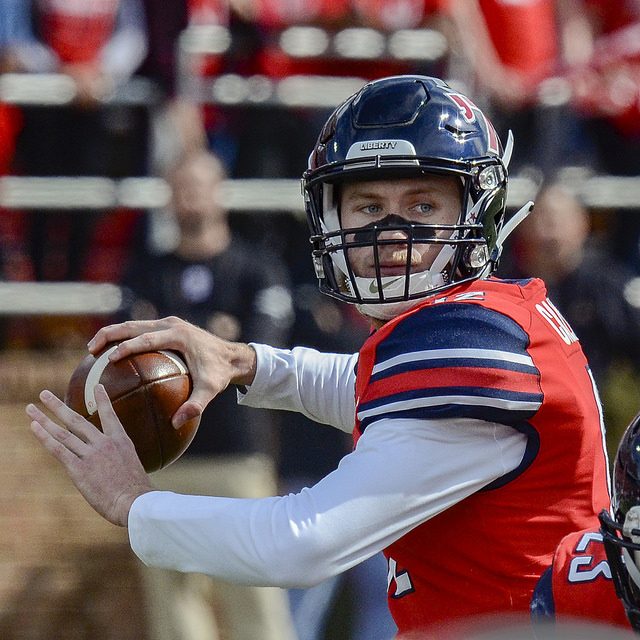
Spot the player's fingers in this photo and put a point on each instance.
(111, 425)
(205, 389)
(128, 333)
(118, 332)
(152, 341)
(73, 421)
(53, 446)
(53, 436)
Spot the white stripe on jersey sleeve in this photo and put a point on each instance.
(436, 354)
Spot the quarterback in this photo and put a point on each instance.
(478, 439)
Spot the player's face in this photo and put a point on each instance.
(430, 199)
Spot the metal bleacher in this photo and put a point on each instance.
(247, 195)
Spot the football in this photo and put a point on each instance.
(145, 389)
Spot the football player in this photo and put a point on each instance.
(595, 574)
(477, 428)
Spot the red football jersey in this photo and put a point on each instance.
(581, 581)
(497, 351)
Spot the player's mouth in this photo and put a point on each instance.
(392, 270)
(394, 262)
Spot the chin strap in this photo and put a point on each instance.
(512, 223)
(508, 150)
(509, 227)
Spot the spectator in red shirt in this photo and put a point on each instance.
(100, 44)
(605, 80)
(505, 49)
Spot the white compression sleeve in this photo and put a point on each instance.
(319, 385)
(401, 473)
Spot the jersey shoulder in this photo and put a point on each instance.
(451, 358)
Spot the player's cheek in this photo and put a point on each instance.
(359, 259)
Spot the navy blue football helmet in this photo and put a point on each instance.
(621, 528)
(407, 126)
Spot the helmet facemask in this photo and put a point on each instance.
(457, 252)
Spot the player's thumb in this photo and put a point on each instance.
(191, 409)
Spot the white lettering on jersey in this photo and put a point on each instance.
(461, 297)
(581, 569)
(587, 539)
(471, 295)
(402, 581)
(557, 322)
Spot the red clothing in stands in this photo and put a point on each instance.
(524, 35)
(77, 30)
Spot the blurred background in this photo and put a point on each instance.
(150, 156)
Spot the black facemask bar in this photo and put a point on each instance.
(464, 237)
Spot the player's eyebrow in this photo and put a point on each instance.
(360, 194)
(364, 193)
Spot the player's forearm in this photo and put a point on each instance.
(382, 490)
(244, 541)
(318, 385)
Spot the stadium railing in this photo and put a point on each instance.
(240, 196)
(229, 90)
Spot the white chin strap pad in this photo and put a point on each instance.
(394, 286)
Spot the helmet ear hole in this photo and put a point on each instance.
(476, 257)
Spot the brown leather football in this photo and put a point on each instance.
(145, 389)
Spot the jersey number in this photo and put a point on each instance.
(398, 584)
(581, 568)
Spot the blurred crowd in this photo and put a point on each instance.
(563, 75)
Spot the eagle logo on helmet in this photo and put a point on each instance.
(468, 111)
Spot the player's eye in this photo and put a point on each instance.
(423, 208)
(372, 208)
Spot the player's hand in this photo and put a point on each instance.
(214, 363)
(103, 465)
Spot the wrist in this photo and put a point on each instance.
(244, 362)
(124, 503)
